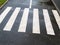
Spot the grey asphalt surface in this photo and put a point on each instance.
(19, 38)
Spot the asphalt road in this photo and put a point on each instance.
(29, 22)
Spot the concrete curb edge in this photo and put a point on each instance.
(4, 4)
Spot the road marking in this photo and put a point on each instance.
(48, 24)
(11, 20)
(57, 17)
(36, 27)
(5, 12)
(23, 24)
(30, 4)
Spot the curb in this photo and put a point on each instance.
(56, 7)
(4, 4)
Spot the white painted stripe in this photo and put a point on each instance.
(30, 4)
(48, 24)
(11, 20)
(36, 27)
(23, 24)
(5, 12)
(57, 17)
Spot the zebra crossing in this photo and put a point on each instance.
(36, 28)
(49, 27)
(11, 20)
(57, 17)
(23, 24)
(2, 16)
